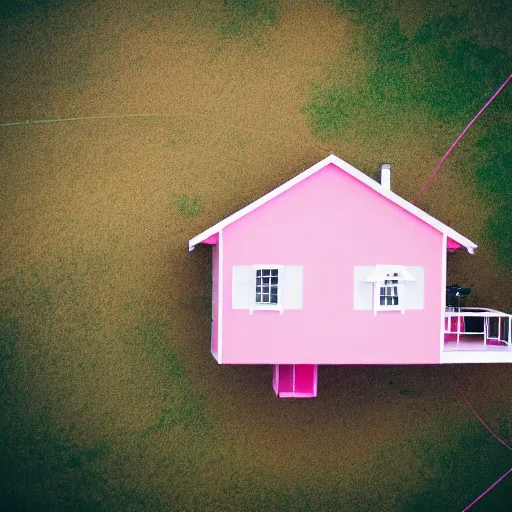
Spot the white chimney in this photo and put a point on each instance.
(385, 176)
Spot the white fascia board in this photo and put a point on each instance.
(356, 173)
(259, 202)
(476, 356)
(379, 274)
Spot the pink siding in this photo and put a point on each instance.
(451, 245)
(215, 297)
(275, 379)
(330, 223)
(285, 380)
(305, 379)
(214, 239)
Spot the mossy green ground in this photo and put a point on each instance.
(445, 64)
(109, 395)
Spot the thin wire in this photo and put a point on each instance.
(460, 137)
(495, 436)
(490, 489)
(270, 136)
(48, 121)
(480, 419)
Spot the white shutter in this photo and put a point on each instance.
(292, 287)
(243, 286)
(363, 292)
(415, 290)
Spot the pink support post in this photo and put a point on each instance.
(295, 380)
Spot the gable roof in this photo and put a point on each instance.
(356, 173)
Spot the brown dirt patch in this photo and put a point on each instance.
(102, 193)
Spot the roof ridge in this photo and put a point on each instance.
(354, 172)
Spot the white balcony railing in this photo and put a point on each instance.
(496, 325)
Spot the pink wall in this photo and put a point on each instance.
(214, 239)
(452, 244)
(329, 223)
(215, 297)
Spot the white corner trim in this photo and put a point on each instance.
(444, 257)
(356, 173)
(221, 296)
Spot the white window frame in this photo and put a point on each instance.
(400, 293)
(268, 307)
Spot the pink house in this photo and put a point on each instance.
(333, 268)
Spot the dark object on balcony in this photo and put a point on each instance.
(456, 296)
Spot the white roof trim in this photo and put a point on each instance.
(356, 173)
(378, 274)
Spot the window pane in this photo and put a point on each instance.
(273, 290)
(258, 280)
(258, 297)
(395, 301)
(273, 280)
(395, 290)
(273, 299)
(383, 301)
(275, 271)
(266, 280)
(389, 301)
(266, 289)
(388, 291)
(266, 297)
(382, 291)
(266, 272)
(258, 273)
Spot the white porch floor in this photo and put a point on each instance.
(471, 347)
(472, 343)
(474, 351)
(451, 346)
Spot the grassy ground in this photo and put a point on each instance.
(110, 398)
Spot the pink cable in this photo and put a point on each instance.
(496, 436)
(460, 137)
(481, 420)
(490, 488)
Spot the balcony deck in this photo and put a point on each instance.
(491, 343)
(474, 342)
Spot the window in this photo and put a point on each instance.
(406, 291)
(389, 292)
(267, 286)
(267, 291)
(389, 287)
